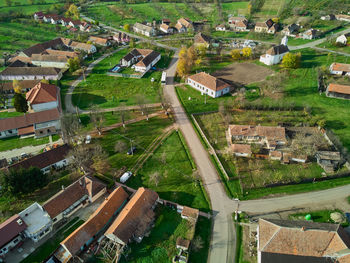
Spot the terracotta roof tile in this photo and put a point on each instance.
(241, 148)
(342, 89)
(190, 212)
(276, 50)
(209, 81)
(340, 67)
(10, 229)
(269, 132)
(42, 93)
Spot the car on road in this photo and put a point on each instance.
(132, 150)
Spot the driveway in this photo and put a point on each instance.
(222, 247)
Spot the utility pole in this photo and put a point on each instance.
(205, 98)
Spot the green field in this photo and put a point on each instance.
(24, 7)
(330, 45)
(322, 216)
(16, 142)
(176, 182)
(108, 91)
(6, 114)
(16, 36)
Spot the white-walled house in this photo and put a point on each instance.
(38, 222)
(43, 96)
(145, 59)
(142, 29)
(30, 73)
(208, 84)
(339, 69)
(147, 62)
(220, 27)
(275, 54)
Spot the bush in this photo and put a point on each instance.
(20, 103)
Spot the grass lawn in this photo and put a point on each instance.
(330, 45)
(107, 91)
(298, 41)
(45, 250)
(234, 8)
(24, 7)
(348, 199)
(322, 216)
(16, 142)
(141, 137)
(23, 33)
(10, 205)
(203, 231)
(213, 63)
(7, 114)
(176, 182)
(160, 246)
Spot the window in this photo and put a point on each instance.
(10, 131)
(15, 241)
(55, 219)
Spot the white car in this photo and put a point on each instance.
(88, 139)
(125, 177)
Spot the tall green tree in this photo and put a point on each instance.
(73, 12)
(20, 103)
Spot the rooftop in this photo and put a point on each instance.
(241, 148)
(340, 67)
(276, 50)
(342, 89)
(10, 229)
(42, 93)
(35, 218)
(269, 132)
(211, 82)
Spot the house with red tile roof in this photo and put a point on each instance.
(79, 194)
(302, 241)
(135, 219)
(100, 41)
(97, 223)
(43, 96)
(11, 234)
(338, 91)
(340, 69)
(242, 150)
(207, 84)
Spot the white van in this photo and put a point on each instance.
(125, 177)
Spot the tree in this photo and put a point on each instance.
(120, 147)
(132, 43)
(83, 156)
(20, 103)
(236, 54)
(3, 94)
(73, 12)
(126, 27)
(71, 128)
(202, 51)
(197, 243)
(30, 2)
(100, 160)
(155, 178)
(97, 118)
(16, 86)
(23, 181)
(247, 52)
(182, 68)
(74, 64)
(291, 60)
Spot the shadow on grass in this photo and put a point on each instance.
(85, 100)
(336, 124)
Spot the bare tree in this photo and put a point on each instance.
(100, 160)
(163, 157)
(120, 146)
(3, 94)
(141, 102)
(123, 113)
(197, 243)
(155, 178)
(164, 100)
(71, 128)
(97, 118)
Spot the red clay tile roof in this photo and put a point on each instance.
(182, 242)
(202, 39)
(44, 159)
(42, 93)
(96, 222)
(302, 238)
(342, 89)
(98, 40)
(340, 67)
(10, 229)
(190, 212)
(164, 26)
(65, 198)
(29, 119)
(135, 217)
(276, 50)
(209, 81)
(269, 132)
(243, 23)
(26, 130)
(241, 148)
(30, 71)
(25, 84)
(185, 22)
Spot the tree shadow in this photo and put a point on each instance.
(335, 124)
(85, 100)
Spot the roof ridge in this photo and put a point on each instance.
(273, 236)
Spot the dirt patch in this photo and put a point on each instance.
(243, 73)
(120, 12)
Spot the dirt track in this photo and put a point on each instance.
(243, 73)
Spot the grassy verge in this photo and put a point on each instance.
(169, 172)
(16, 142)
(45, 250)
(321, 216)
(203, 231)
(7, 114)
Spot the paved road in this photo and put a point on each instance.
(68, 98)
(222, 246)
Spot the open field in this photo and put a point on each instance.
(45, 250)
(16, 36)
(330, 45)
(243, 73)
(24, 7)
(176, 181)
(108, 91)
(160, 245)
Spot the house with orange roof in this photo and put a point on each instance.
(207, 84)
(338, 91)
(97, 223)
(135, 219)
(43, 96)
(302, 241)
(339, 69)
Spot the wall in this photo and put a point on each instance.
(45, 106)
(5, 134)
(10, 245)
(49, 64)
(200, 87)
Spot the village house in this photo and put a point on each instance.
(343, 39)
(241, 150)
(165, 28)
(291, 30)
(301, 241)
(142, 29)
(269, 135)
(273, 29)
(100, 41)
(39, 124)
(30, 73)
(49, 61)
(183, 25)
(338, 91)
(189, 213)
(53, 159)
(70, 199)
(328, 17)
(220, 27)
(97, 223)
(121, 38)
(145, 59)
(207, 84)
(11, 234)
(310, 34)
(38, 15)
(135, 219)
(183, 246)
(339, 69)
(38, 222)
(202, 40)
(238, 23)
(275, 54)
(44, 96)
(343, 17)
(263, 27)
(328, 160)
(166, 21)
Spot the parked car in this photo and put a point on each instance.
(125, 177)
(132, 150)
(88, 139)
